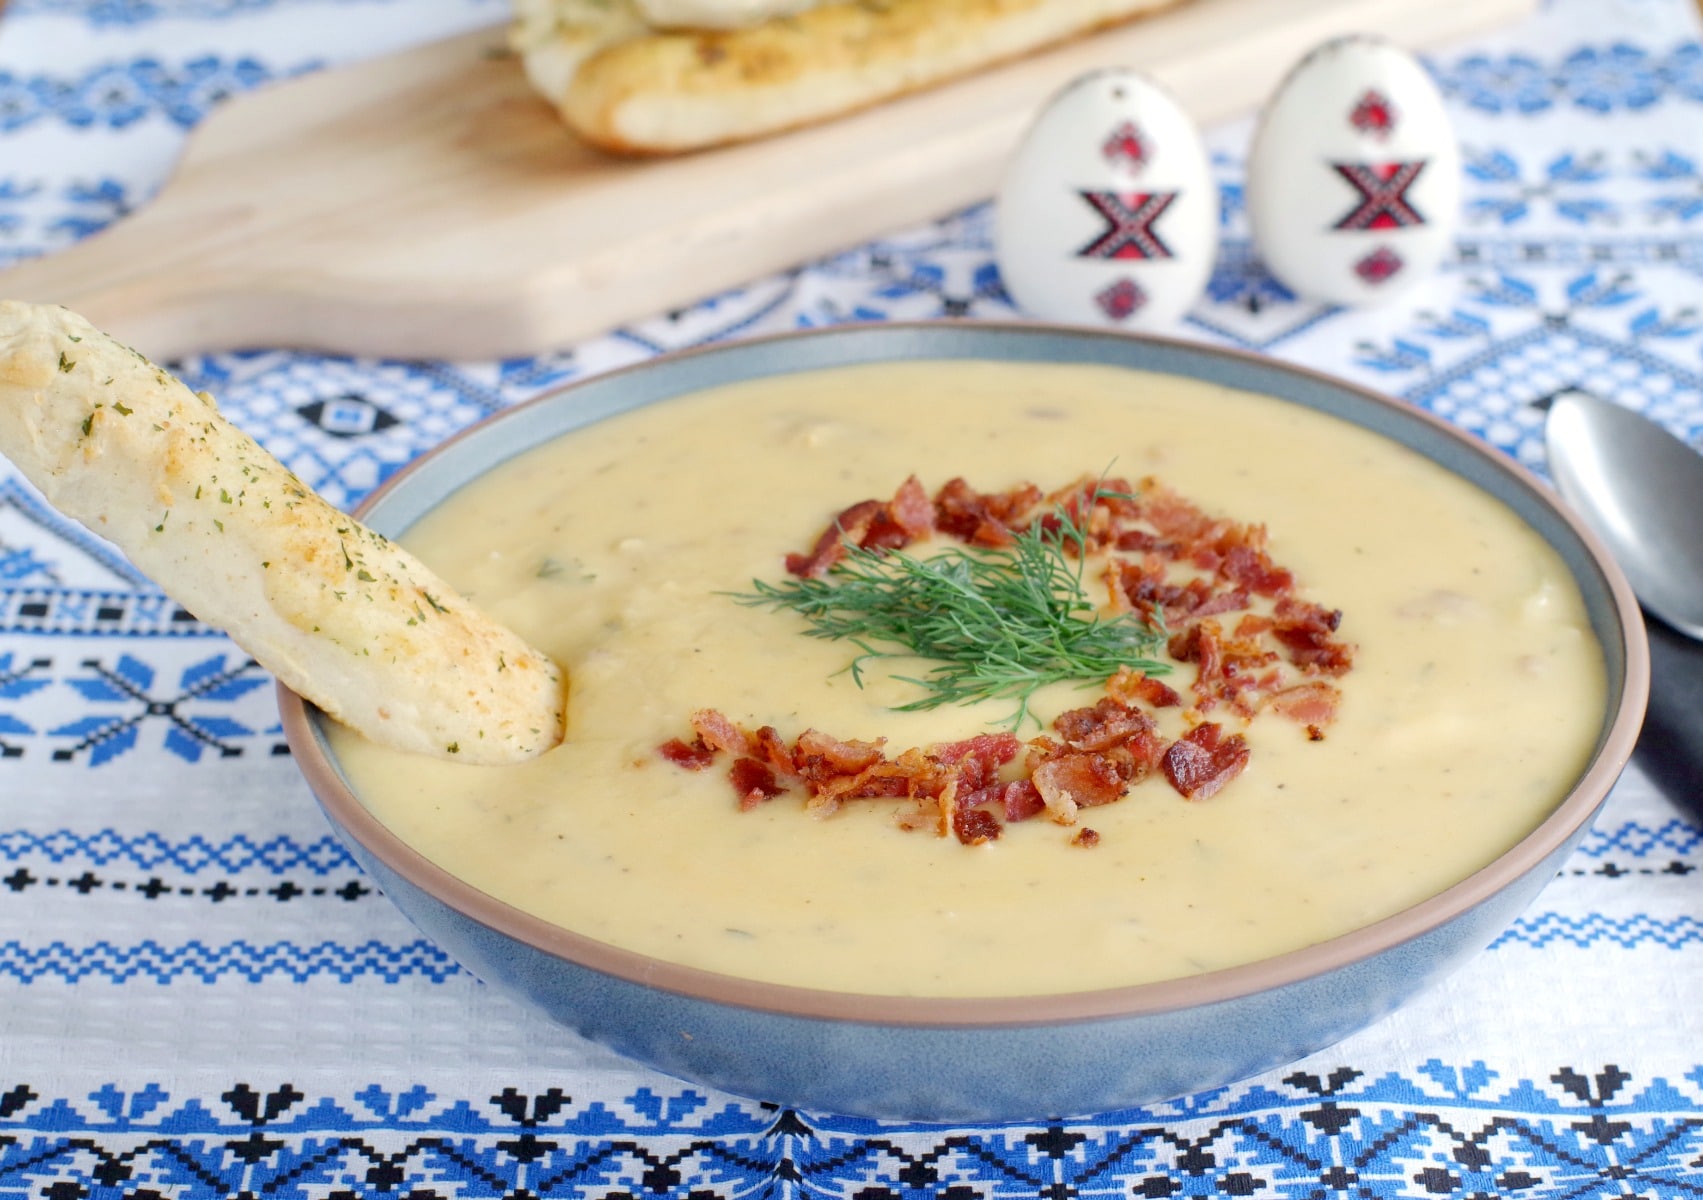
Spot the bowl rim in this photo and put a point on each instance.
(1624, 717)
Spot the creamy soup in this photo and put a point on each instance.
(1476, 693)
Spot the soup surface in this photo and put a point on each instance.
(1475, 697)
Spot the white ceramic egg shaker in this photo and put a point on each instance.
(1354, 174)
(1107, 213)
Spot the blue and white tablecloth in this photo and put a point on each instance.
(201, 995)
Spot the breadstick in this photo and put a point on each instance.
(662, 93)
(337, 612)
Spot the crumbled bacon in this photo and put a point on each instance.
(1307, 630)
(1086, 838)
(1228, 666)
(1200, 644)
(1312, 704)
(1021, 799)
(1175, 519)
(912, 510)
(975, 826)
(976, 761)
(869, 525)
(1203, 760)
(1210, 583)
(982, 518)
(1108, 723)
(754, 782)
(1145, 586)
(1250, 567)
(817, 756)
(1076, 780)
(849, 528)
(879, 780)
(694, 757)
(1129, 686)
(719, 733)
(768, 745)
(1098, 508)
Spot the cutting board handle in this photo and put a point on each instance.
(133, 280)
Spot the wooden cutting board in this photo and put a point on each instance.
(428, 205)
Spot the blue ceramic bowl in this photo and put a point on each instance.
(985, 1059)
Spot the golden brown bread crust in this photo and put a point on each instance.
(661, 93)
(338, 613)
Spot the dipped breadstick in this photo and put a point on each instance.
(337, 612)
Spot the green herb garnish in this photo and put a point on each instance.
(1002, 623)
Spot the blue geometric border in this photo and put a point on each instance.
(1449, 1131)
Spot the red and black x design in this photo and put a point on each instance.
(1129, 224)
(1383, 195)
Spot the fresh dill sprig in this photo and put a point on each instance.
(1001, 623)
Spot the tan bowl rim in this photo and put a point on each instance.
(988, 1012)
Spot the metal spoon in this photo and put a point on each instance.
(1640, 490)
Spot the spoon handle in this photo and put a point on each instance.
(1670, 749)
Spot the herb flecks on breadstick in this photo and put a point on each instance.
(336, 611)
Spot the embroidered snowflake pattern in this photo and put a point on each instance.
(190, 730)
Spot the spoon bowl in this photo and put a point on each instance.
(1641, 490)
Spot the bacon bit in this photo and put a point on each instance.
(830, 548)
(1140, 541)
(1202, 761)
(1021, 800)
(695, 757)
(1292, 613)
(1086, 838)
(881, 780)
(1315, 734)
(1130, 686)
(1220, 602)
(975, 826)
(1252, 626)
(869, 525)
(1073, 781)
(817, 756)
(1174, 518)
(1144, 587)
(1097, 507)
(911, 509)
(982, 518)
(1060, 804)
(768, 745)
(884, 534)
(946, 810)
(1018, 800)
(1312, 704)
(754, 782)
(1250, 567)
(1108, 723)
(1229, 668)
(1200, 644)
(977, 760)
(1305, 629)
(719, 733)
